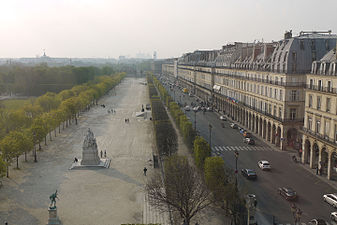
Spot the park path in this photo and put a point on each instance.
(86, 197)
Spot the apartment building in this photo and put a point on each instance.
(320, 124)
(260, 85)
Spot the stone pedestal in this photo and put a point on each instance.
(90, 151)
(53, 219)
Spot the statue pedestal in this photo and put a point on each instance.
(53, 219)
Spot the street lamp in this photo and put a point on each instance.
(236, 154)
(195, 120)
(210, 135)
(34, 138)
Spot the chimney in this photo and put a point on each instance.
(288, 34)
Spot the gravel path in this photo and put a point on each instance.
(86, 197)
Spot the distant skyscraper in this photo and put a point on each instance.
(154, 55)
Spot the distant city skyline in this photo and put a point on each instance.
(109, 29)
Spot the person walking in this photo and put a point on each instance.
(101, 154)
(145, 170)
(104, 153)
(317, 170)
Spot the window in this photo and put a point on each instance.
(318, 102)
(280, 112)
(313, 45)
(274, 113)
(327, 47)
(269, 109)
(311, 83)
(271, 93)
(293, 96)
(309, 123)
(310, 101)
(275, 93)
(292, 114)
(281, 81)
(335, 133)
(326, 127)
(318, 126)
(328, 104)
(281, 95)
(329, 87)
(319, 85)
(266, 91)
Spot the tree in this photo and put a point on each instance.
(182, 189)
(201, 151)
(2, 167)
(7, 151)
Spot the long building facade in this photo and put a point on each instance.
(320, 119)
(259, 85)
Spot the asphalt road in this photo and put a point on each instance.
(284, 173)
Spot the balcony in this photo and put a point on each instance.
(321, 137)
(321, 89)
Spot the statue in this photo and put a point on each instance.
(90, 150)
(53, 198)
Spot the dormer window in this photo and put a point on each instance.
(302, 44)
(327, 47)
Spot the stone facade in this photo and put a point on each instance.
(320, 120)
(260, 85)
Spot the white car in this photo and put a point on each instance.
(187, 108)
(196, 109)
(331, 199)
(223, 118)
(333, 216)
(264, 165)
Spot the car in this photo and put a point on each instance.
(249, 141)
(209, 109)
(148, 107)
(223, 118)
(264, 165)
(242, 131)
(317, 222)
(196, 108)
(333, 216)
(331, 199)
(249, 174)
(190, 94)
(288, 193)
(187, 108)
(234, 125)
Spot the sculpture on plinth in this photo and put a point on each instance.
(53, 218)
(90, 151)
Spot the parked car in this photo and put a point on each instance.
(333, 216)
(187, 108)
(249, 174)
(287, 193)
(223, 118)
(247, 134)
(190, 94)
(196, 108)
(249, 141)
(234, 125)
(242, 131)
(264, 165)
(317, 222)
(209, 109)
(331, 199)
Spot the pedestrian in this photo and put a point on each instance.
(317, 170)
(300, 153)
(75, 160)
(145, 170)
(101, 154)
(104, 153)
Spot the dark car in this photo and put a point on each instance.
(249, 174)
(317, 222)
(287, 193)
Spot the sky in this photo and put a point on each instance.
(110, 28)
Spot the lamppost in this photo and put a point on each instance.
(195, 120)
(236, 154)
(210, 135)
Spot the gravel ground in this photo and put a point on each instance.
(91, 196)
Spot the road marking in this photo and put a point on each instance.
(220, 149)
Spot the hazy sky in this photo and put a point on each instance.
(109, 28)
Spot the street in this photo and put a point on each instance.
(284, 172)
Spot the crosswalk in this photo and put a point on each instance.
(219, 149)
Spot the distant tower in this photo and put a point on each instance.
(154, 55)
(44, 53)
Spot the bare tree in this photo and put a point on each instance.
(182, 189)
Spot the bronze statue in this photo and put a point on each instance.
(53, 198)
